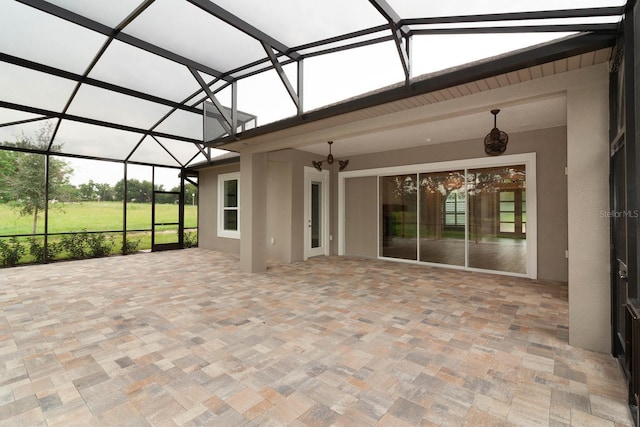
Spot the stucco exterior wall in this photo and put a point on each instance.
(361, 216)
(550, 146)
(279, 201)
(284, 220)
(565, 210)
(589, 230)
(208, 211)
(296, 161)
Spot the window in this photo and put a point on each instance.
(229, 205)
(513, 212)
(455, 208)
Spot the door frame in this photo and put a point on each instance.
(527, 159)
(180, 220)
(166, 246)
(313, 175)
(619, 256)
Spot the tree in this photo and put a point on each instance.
(104, 192)
(87, 190)
(190, 193)
(7, 169)
(68, 193)
(96, 191)
(137, 191)
(27, 183)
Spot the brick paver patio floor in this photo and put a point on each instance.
(184, 338)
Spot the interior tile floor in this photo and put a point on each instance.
(499, 254)
(184, 338)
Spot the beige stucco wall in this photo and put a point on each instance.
(208, 213)
(584, 145)
(361, 216)
(253, 212)
(284, 219)
(589, 230)
(279, 202)
(296, 161)
(551, 159)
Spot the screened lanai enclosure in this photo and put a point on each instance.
(107, 107)
(112, 113)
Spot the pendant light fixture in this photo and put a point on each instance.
(495, 143)
(318, 165)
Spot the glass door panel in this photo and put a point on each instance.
(399, 216)
(497, 215)
(470, 218)
(442, 217)
(316, 214)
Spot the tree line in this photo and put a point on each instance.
(137, 192)
(22, 180)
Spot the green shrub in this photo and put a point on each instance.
(131, 246)
(36, 249)
(11, 252)
(84, 245)
(190, 240)
(98, 245)
(74, 245)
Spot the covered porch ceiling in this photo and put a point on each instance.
(525, 115)
(379, 128)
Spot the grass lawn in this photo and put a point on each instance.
(99, 216)
(93, 216)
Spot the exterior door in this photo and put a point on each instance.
(619, 262)
(167, 231)
(316, 212)
(167, 218)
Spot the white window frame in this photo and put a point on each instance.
(222, 232)
(527, 159)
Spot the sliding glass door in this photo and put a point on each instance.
(443, 216)
(398, 197)
(497, 219)
(472, 218)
